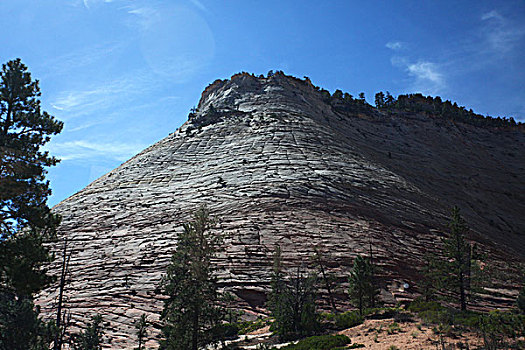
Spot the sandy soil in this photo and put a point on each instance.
(381, 334)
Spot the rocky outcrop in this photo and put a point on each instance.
(279, 163)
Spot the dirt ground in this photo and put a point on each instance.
(382, 334)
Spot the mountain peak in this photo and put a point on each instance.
(283, 162)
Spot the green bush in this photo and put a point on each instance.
(418, 306)
(393, 328)
(321, 342)
(228, 330)
(348, 319)
(468, 319)
(496, 326)
(381, 313)
(250, 326)
(431, 312)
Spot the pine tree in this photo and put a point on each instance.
(193, 310)
(91, 337)
(363, 290)
(459, 269)
(24, 128)
(380, 100)
(292, 302)
(141, 326)
(520, 301)
(431, 281)
(338, 94)
(25, 219)
(328, 278)
(389, 100)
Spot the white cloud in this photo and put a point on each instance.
(146, 16)
(425, 71)
(87, 3)
(426, 76)
(394, 45)
(500, 34)
(199, 4)
(492, 15)
(106, 94)
(90, 55)
(84, 150)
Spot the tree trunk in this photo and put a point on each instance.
(462, 297)
(60, 332)
(327, 283)
(195, 330)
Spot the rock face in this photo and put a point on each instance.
(278, 163)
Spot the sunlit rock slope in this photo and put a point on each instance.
(280, 163)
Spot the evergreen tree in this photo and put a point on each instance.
(390, 101)
(24, 128)
(193, 310)
(25, 219)
(380, 100)
(459, 269)
(328, 278)
(338, 94)
(520, 301)
(362, 97)
(91, 337)
(347, 97)
(292, 302)
(363, 290)
(141, 326)
(431, 281)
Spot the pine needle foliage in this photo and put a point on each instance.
(91, 337)
(363, 290)
(460, 270)
(292, 302)
(194, 307)
(26, 221)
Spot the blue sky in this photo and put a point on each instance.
(123, 74)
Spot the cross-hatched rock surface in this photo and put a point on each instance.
(278, 163)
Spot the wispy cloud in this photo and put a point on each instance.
(394, 45)
(500, 34)
(64, 64)
(86, 150)
(146, 17)
(199, 5)
(105, 94)
(492, 15)
(88, 3)
(426, 76)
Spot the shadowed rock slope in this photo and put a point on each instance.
(279, 163)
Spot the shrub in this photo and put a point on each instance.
(321, 342)
(418, 306)
(393, 328)
(497, 326)
(348, 320)
(431, 312)
(381, 313)
(228, 330)
(468, 319)
(250, 326)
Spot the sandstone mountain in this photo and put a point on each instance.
(279, 162)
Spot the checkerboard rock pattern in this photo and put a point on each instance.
(279, 164)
